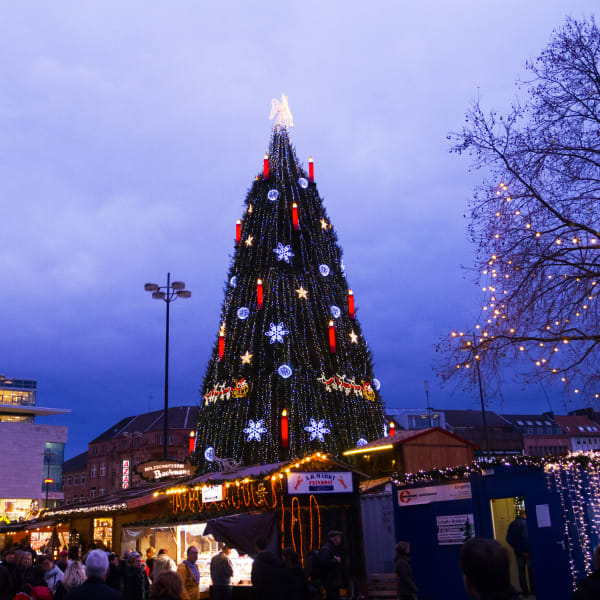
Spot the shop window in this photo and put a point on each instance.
(103, 531)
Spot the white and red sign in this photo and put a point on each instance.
(126, 474)
(434, 493)
(321, 482)
(212, 493)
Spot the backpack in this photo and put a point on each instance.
(39, 592)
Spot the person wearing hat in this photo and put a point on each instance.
(330, 559)
(62, 562)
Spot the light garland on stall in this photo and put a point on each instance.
(91, 509)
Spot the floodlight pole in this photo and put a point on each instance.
(171, 292)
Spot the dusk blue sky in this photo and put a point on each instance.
(130, 133)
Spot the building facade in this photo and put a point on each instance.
(503, 439)
(416, 418)
(542, 435)
(110, 463)
(32, 452)
(582, 432)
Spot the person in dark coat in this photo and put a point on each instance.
(94, 588)
(589, 588)
(9, 563)
(116, 570)
(295, 582)
(485, 566)
(407, 590)
(37, 587)
(330, 558)
(518, 539)
(221, 572)
(135, 580)
(6, 584)
(266, 573)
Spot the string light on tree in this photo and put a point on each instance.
(287, 277)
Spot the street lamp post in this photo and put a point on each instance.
(168, 293)
(48, 480)
(473, 349)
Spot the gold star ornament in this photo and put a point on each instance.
(247, 358)
(302, 293)
(324, 224)
(353, 337)
(249, 241)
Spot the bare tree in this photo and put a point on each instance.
(536, 221)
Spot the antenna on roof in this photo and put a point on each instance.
(547, 398)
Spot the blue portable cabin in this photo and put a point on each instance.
(437, 517)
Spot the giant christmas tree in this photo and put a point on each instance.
(290, 372)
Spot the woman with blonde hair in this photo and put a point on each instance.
(75, 574)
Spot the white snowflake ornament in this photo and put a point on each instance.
(254, 430)
(276, 333)
(317, 430)
(283, 252)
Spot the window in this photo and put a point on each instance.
(171, 439)
(54, 457)
(580, 428)
(548, 423)
(95, 450)
(520, 423)
(93, 492)
(83, 479)
(101, 492)
(94, 472)
(69, 481)
(529, 422)
(76, 480)
(82, 499)
(158, 439)
(102, 470)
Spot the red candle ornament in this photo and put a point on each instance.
(192, 441)
(311, 170)
(351, 304)
(259, 293)
(284, 429)
(295, 216)
(221, 343)
(266, 167)
(238, 232)
(331, 337)
(392, 429)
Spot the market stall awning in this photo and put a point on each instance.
(240, 531)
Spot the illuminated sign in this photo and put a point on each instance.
(126, 479)
(321, 482)
(212, 493)
(153, 470)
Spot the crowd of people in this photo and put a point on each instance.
(101, 575)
